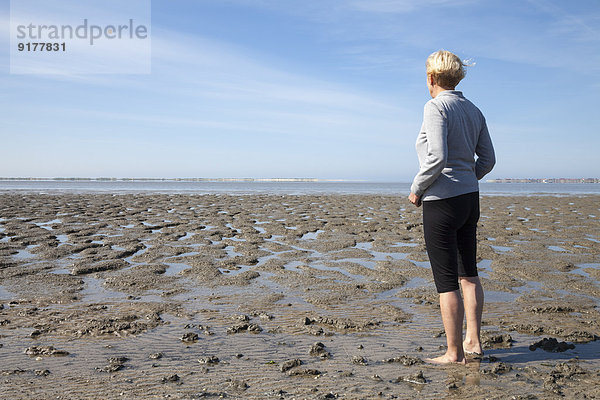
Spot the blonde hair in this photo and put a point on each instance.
(446, 68)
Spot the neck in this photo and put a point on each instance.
(437, 90)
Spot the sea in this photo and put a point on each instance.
(278, 187)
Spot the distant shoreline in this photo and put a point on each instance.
(80, 179)
(544, 180)
(112, 179)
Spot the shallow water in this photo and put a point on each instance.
(5, 294)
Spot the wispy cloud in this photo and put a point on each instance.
(378, 33)
(221, 87)
(583, 28)
(403, 6)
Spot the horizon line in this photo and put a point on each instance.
(184, 179)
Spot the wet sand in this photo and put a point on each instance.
(287, 297)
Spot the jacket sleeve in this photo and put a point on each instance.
(486, 158)
(435, 133)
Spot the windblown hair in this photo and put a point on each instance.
(446, 68)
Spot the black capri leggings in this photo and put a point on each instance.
(450, 227)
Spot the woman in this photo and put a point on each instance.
(453, 132)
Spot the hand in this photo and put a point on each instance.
(416, 200)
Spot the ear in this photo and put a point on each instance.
(430, 79)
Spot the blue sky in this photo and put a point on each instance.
(326, 89)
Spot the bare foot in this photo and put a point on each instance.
(445, 359)
(471, 348)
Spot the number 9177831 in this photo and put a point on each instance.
(42, 46)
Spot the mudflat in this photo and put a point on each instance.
(263, 296)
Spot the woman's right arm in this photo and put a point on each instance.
(435, 127)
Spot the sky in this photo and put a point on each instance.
(325, 89)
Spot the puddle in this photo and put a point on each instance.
(403, 244)
(187, 236)
(61, 271)
(62, 239)
(416, 283)
(557, 248)
(501, 249)
(231, 252)
(5, 294)
(265, 280)
(311, 235)
(233, 272)
(484, 267)
(378, 255)
(322, 267)
(530, 286)
(388, 295)
(175, 268)
(364, 245)
(45, 224)
(230, 226)
(383, 256)
(137, 253)
(567, 293)
(492, 296)
(293, 266)
(24, 254)
(188, 254)
(581, 267)
(94, 291)
(519, 353)
(234, 238)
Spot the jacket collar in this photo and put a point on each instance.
(450, 93)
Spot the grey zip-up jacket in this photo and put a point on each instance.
(453, 132)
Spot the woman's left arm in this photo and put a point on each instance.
(486, 157)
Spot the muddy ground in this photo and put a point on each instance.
(135, 296)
